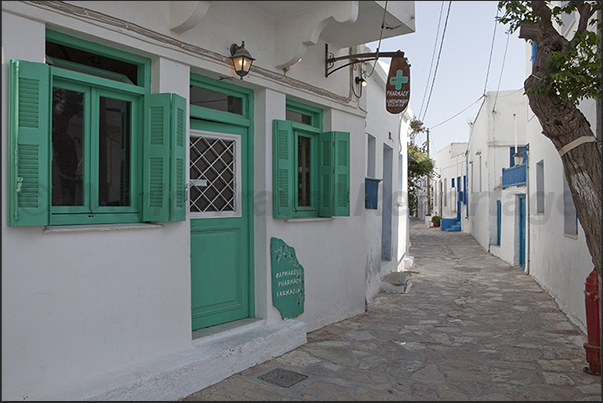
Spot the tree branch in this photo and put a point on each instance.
(542, 10)
(586, 11)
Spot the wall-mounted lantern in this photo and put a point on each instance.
(518, 157)
(241, 59)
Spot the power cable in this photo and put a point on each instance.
(438, 61)
(502, 68)
(441, 123)
(380, 37)
(435, 46)
(491, 51)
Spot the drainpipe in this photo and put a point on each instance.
(527, 269)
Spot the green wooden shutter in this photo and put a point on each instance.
(283, 168)
(156, 158)
(325, 174)
(29, 144)
(178, 189)
(341, 167)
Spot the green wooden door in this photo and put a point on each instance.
(221, 223)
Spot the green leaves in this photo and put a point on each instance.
(515, 13)
(573, 74)
(419, 166)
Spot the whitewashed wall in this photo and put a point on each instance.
(560, 263)
(78, 305)
(75, 303)
(449, 164)
(391, 131)
(492, 134)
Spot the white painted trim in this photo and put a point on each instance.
(238, 172)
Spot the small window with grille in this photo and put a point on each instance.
(215, 171)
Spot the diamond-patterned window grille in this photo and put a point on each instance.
(212, 174)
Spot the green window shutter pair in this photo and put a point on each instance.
(333, 172)
(30, 127)
(164, 154)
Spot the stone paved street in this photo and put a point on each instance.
(471, 327)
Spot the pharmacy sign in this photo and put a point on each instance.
(397, 89)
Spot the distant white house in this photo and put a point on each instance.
(167, 222)
(496, 206)
(449, 179)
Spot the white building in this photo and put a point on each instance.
(558, 257)
(144, 194)
(450, 171)
(493, 214)
(522, 211)
(524, 214)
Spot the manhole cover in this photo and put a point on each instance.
(282, 377)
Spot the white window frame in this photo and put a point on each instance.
(237, 212)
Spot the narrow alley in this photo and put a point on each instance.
(470, 327)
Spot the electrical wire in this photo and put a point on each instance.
(502, 68)
(435, 46)
(491, 51)
(441, 123)
(438, 61)
(379, 44)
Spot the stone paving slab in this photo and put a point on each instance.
(471, 328)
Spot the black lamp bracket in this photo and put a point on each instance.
(330, 59)
(234, 47)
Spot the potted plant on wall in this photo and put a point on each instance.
(436, 220)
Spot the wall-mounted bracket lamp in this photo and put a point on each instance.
(518, 157)
(361, 81)
(241, 59)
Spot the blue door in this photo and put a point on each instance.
(459, 199)
(521, 209)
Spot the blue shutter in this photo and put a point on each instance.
(29, 144)
(283, 168)
(178, 188)
(156, 158)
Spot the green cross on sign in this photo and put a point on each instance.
(398, 80)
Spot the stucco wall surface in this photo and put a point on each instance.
(87, 302)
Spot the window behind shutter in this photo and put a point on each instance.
(283, 168)
(178, 169)
(341, 163)
(156, 158)
(325, 174)
(29, 143)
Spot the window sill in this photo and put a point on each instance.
(98, 227)
(310, 219)
(571, 236)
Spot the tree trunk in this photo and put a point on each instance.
(582, 165)
(563, 124)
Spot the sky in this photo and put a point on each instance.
(443, 93)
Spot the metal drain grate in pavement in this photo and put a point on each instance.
(282, 377)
